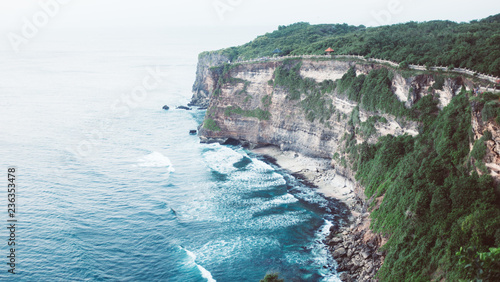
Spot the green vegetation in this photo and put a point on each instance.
(266, 101)
(367, 128)
(226, 78)
(210, 124)
(479, 150)
(315, 103)
(272, 277)
(434, 201)
(256, 113)
(471, 45)
(372, 91)
(438, 85)
(288, 39)
(480, 266)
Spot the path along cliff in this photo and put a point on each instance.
(249, 104)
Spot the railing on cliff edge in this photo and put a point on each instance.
(490, 78)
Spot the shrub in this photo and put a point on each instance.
(211, 125)
(272, 277)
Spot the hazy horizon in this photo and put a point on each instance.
(29, 24)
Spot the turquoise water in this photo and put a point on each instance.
(113, 188)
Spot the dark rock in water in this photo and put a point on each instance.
(193, 132)
(183, 108)
(166, 108)
(202, 108)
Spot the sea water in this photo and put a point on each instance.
(113, 188)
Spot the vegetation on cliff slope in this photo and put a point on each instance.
(315, 103)
(372, 92)
(434, 201)
(472, 45)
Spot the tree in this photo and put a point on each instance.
(272, 277)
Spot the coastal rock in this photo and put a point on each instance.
(365, 254)
(166, 108)
(254, 94)
(492, 157)
(339, 253)
(203, 85)
(249, 108)
(335, 240)
(345, 277)
(183, 108)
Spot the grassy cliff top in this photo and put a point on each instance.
(473, 45)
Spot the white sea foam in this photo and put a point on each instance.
(260, 166)
(225, 250)
(155, 159)
(277, 221)
(204, 272)
(222, 159)
(254, 179)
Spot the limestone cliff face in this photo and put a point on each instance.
(287, 125)
(492, 157)
(203, 85)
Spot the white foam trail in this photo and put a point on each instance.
(155, 159)
(204, 272)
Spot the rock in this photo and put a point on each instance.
(339, 253)
(334, 228)
(357, 261)
(365, 254)
(202, 108)
(350, 252)
(183, 108)
(354, 268)
(369, 268)
(193, 132)
(166, 108)
(344, 276)
(335, 240)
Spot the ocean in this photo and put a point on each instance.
(111, 187)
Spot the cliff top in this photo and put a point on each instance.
(472, 45)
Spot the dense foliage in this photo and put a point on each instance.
(373, 91)
(473, 45)
(210, 124)
(256, 113)
(287, 39)
(434, 202)
(481, 266)
(272, 277)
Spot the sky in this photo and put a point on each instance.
(203, 13)
(252, 17)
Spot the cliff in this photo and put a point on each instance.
(491, 154)
(247, 89)
(313, 115)
(203, 86)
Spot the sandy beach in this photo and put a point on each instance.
(318, 172)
